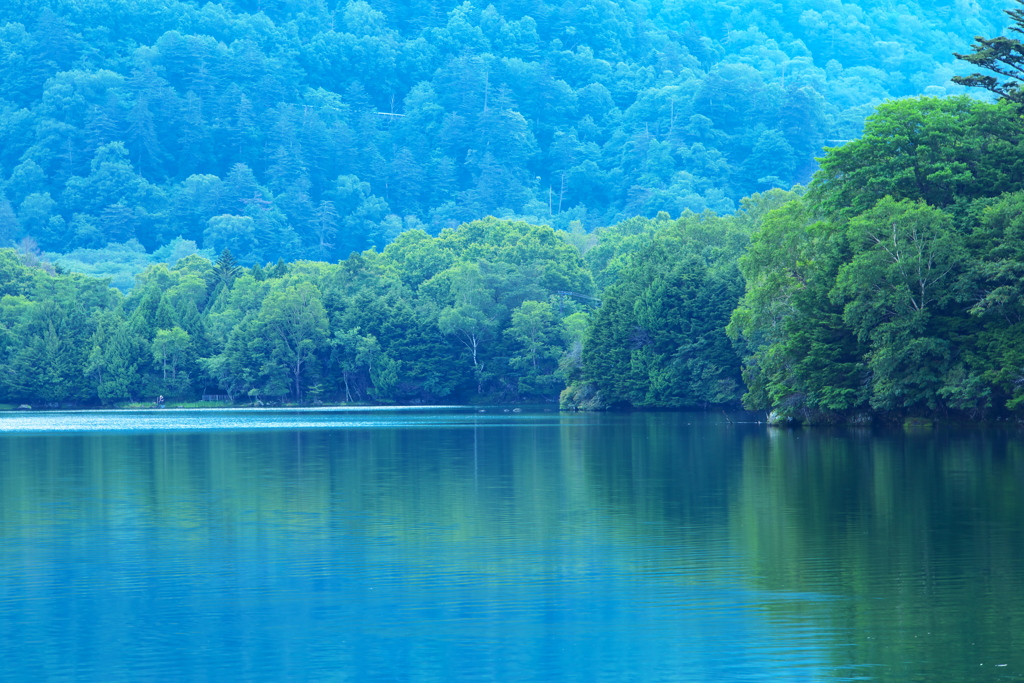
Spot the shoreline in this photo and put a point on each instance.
(863, 421)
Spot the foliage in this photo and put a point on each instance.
(373, 137)
(474, 314)
(1003, 56)
(900, 296)
(942, 151)
(312, 129)
(892, 285)
(658, 339)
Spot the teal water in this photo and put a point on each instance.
(452, 545)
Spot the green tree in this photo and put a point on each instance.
(325, 226)
(904, 269)
(236, 234)
(226, 269)
(1003, 56)
(36, 217)
(472, 317)
(535, 332)
(294, 321)
(48, 365)
(658, 339)
(937, 150)
(354, 354)
(113, 359)
(168, 347)
(799, 356)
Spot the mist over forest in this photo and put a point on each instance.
(794, 206)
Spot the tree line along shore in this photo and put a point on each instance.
(887, 285)
(891, 286)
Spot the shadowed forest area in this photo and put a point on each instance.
(622, 202)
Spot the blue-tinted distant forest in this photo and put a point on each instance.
(617, 203)
(314, 128)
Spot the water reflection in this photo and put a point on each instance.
(917, 535)
(457, 545)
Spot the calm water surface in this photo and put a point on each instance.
(429, 545)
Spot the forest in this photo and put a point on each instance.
(804, 207)
(133, 130)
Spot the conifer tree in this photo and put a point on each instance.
(226, 269)
(1003, 56)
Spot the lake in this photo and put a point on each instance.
(456, 545)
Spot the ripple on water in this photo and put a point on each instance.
(246, 419)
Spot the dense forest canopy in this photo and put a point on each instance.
(894, 284)
(314, 128)
(494, 310)
(303, 189)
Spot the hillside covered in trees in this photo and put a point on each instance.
(315, 128)
(888, 285)
(891, 286)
